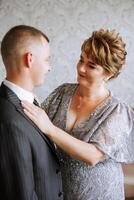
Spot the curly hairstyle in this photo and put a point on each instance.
(107, 49)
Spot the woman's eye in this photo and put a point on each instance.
(81, 61)
(91, 66)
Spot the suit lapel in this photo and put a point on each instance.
(12, 98)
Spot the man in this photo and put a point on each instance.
(29, 168)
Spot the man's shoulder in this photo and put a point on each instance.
(7, 109)
(5, 105)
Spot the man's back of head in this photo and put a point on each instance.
(18, 39)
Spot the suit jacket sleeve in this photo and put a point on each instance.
(16, 170)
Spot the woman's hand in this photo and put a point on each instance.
(76, 148)
(38, 116)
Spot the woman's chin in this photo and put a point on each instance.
(81, 81)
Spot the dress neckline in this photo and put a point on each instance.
(93, 113)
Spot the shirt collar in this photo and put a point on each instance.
(21, 93)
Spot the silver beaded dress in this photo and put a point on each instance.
(111, 129)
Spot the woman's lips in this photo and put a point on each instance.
(81, 75)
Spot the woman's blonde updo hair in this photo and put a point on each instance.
(107, 49)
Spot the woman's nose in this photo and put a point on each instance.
(82, 68)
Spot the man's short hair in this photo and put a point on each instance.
(16, 38)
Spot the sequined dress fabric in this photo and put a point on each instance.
(111, 128)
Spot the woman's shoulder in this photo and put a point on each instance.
(66, 86)
(114, 109)
(120, 104)
(59, 92)
(64, 89)
(120, 110)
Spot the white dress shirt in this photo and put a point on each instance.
(20, 92)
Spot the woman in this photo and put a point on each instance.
(93, 130)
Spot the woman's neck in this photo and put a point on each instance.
(92, 93)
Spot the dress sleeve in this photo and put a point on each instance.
(53, 100)
(115, 135)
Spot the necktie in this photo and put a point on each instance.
(35, 102)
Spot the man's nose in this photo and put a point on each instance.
(49, 68)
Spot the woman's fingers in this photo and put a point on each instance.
(30, 115)
(26, 105)
(30, 110)
(30, 107)
(38, 116)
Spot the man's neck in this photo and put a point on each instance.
(21, 82)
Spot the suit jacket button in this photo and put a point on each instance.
(57, 171)
(60, 194)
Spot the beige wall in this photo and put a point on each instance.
(68, 23)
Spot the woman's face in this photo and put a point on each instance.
(89, 73)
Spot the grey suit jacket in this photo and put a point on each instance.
(29, 167)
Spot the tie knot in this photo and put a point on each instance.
(35, 102)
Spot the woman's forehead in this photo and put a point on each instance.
(87, 56)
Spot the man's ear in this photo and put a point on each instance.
(28, 59)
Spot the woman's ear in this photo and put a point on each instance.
(108, 76)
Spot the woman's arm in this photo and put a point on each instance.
(76, 148)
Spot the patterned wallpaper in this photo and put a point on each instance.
(68, 23)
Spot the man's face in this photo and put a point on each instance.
(40, 65)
